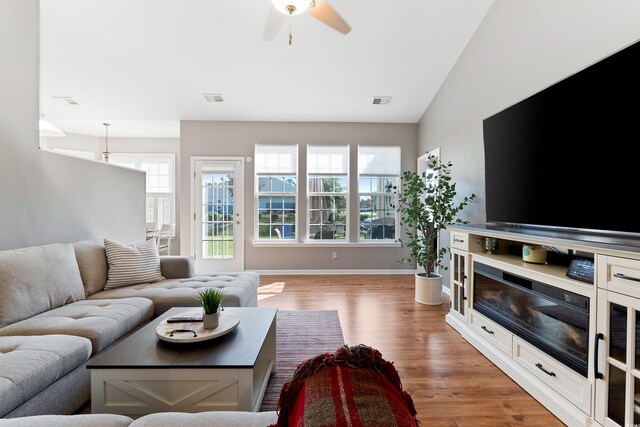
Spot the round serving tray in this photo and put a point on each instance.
(228, 322)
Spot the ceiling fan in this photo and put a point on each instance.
(319, 9)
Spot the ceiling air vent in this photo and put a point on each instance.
(381, 100)
(65, 100)
(213, 97)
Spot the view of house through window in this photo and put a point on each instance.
(378, 177)
(160, 169)
(328, 192)
(276, 180)
(327, 186)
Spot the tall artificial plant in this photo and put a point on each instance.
(426, 205)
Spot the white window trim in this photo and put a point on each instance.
(386, 242)
(256, 204)
(347, 194)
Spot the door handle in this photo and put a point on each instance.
(596, 372)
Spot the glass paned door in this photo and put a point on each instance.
(458, 282)
(618, 391)
(218, 222)
(217, 215)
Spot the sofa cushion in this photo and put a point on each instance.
(207, 419)
(241, 290)
(177, 266)
(34, 280)
(101, 321)
(29, 364)
(79, 420)
(132, 264)
(92, 263)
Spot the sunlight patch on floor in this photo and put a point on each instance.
(270, 290)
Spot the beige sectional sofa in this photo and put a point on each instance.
(55, 315)
(165, 419)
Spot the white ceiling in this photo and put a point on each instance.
(143, 65)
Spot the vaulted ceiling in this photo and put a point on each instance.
(143, 65)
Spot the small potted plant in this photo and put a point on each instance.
(211, 300)
(426, 206)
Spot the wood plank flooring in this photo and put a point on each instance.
(452, 384)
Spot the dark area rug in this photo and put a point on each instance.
(300, 335)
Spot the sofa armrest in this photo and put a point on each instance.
(177, 267)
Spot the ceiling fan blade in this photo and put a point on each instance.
(275, 20)
(327, 15)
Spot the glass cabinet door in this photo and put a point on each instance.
(459, 266)
(618, 373)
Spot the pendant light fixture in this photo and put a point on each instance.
(106, 152)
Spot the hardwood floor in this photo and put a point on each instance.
(452, 384)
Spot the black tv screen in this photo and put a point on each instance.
(568, 157)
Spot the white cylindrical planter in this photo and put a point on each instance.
(211, 321)
(429, 289)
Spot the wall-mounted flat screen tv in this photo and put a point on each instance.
(568, 157)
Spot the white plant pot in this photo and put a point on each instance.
(211, 321)
(429, 289)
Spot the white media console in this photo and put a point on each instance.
(571, 344)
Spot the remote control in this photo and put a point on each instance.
(184, 319)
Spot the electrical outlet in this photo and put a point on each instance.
(334, 255)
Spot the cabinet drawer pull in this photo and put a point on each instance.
(484, 328)
(539, 366)
(622, 276)
(456, 240)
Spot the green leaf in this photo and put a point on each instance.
(426, 204)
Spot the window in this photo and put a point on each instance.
(378, 174)
(160, 169)
(328, 192)
(276, 170)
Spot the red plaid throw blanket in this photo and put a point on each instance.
(354, 387)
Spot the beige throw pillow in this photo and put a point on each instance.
(132, 264)
(92, 262)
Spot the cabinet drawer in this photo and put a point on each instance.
(460, 240)
(571, 385)
(620, 275)
(492, 332)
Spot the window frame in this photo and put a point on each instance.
(373, 194)
(347, 194)
(256, 195)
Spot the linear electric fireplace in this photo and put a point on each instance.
(554, 320)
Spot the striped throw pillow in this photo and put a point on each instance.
(132, 264)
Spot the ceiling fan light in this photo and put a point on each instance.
(299, 6)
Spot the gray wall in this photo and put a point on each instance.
(209, 138)
(520, 48)
(46, 197)
(124, 145)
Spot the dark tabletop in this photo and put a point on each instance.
(237, 349)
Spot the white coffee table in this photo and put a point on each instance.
(143, 374)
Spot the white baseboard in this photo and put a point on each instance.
(321, 272)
